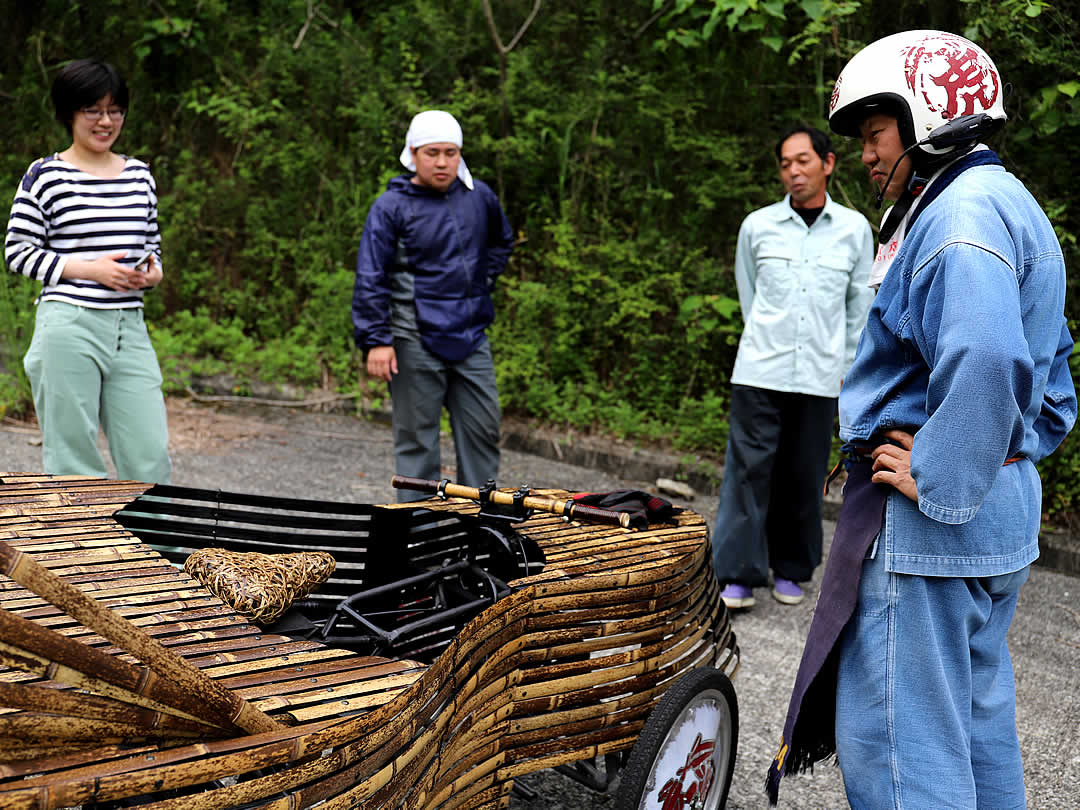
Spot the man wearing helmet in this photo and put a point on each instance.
(960, 385)
(801, 266)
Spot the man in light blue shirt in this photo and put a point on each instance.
(802, 267)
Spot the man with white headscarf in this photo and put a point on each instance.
(432, 246)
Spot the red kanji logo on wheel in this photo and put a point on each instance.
(951, 76)
(700, 769)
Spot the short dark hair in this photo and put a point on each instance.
(818, 139)
(81, 83)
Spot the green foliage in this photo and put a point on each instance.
(17, 327)
(636, 136)
(199, 344)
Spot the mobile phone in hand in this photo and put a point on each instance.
(143, 262)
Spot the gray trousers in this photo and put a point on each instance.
(423, 385)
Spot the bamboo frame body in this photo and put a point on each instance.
(565, 668)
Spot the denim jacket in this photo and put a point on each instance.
(966, 347)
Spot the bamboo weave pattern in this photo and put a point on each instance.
(259, 586)
(565, 668)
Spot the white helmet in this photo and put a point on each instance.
(924, 78)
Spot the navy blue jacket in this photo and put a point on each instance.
(454, 243)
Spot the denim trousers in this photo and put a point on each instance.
(97, 366)
(926, 704)
(423, 385)
(769, 512)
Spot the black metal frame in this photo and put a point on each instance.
(406, 582)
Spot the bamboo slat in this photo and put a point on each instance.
(565, 667)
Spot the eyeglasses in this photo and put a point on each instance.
(94, 114)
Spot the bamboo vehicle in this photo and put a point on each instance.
(451, 651)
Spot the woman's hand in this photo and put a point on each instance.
(153, 274)
(109, 272)
(892, 464)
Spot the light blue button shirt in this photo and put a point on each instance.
(804, 297)
(966, 347)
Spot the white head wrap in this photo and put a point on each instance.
(434, 126)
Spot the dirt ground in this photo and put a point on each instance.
(197, 428)
(192, 427)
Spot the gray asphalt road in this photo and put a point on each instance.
(283, 452)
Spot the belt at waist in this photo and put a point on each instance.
(853, 454)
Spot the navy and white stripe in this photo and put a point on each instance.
(60, 212)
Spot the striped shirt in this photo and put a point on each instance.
(60, 212)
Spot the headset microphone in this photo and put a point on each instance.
(963, 131)
(892, 171)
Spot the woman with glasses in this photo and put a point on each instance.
(81, 222)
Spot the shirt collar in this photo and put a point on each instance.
(789, 212)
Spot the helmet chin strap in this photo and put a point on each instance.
(920, 176)
(963, 132)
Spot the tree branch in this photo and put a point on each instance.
(306, 25)
(664, 9)
(491, 25)
(278, 403)
(524, 26)
(505, 49)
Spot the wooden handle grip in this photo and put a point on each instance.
(417, 484)
(581, 511)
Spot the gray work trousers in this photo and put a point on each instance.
(423, 385)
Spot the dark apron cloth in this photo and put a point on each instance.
(810, 728)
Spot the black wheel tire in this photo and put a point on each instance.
(661, 745)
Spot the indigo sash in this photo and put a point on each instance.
(810, 728)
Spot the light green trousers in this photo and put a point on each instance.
(90, 366)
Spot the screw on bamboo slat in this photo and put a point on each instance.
(72, 759)
(125, 635)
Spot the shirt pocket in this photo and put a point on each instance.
(775, 278)
(830, 287)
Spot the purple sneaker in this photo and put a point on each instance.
(787, 592)
(737, 596)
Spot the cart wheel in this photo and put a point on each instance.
(685, 754)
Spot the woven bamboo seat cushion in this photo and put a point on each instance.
(259, 586)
